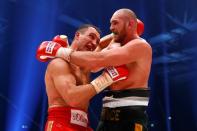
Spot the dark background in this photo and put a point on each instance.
(170, 28)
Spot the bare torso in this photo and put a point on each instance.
(138, 73)
(54, 97)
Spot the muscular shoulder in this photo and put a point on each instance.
(140, 44)
(58, 66)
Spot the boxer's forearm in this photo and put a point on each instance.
(87, 59)
(93, 60)
(105, 41)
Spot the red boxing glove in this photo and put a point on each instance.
(47, 50)
(118, 73)
(62, 40)
(140, 27)
(109, 76)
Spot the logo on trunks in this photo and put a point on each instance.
(112, 114)
(49, 47)
(79, 118)
(112, 71)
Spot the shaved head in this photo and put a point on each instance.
(126, 13)
(123, 24)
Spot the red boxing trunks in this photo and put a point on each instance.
(67, 119)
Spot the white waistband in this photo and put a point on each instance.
(79, 117)
(126, 101)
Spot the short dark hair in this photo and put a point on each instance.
(84, 27)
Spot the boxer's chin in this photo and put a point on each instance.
(117, 40)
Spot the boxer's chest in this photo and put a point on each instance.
(80, 76)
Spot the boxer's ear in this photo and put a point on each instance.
(77, 34)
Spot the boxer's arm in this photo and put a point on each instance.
(65, 83)
(131, 52)
(104, 42)
(74, 95)
(109, 76)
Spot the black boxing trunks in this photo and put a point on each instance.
(66, 119)
(124, 110)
